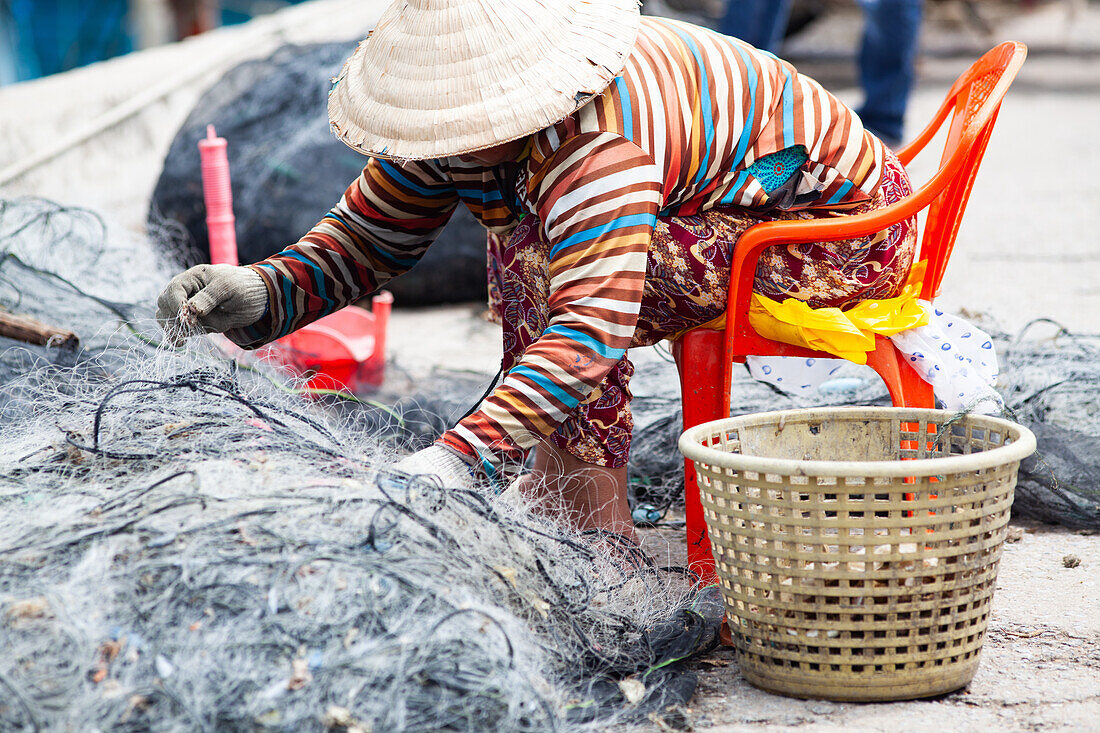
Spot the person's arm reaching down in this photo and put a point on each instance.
(380, 228)
(384, 223)
(597, 197)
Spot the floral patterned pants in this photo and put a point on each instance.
(687, 276)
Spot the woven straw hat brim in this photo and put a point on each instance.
(438, 78)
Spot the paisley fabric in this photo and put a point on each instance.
(687, 274)
(843, 273)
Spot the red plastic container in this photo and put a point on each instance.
(345, 350)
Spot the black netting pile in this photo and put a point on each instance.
(186, 544)
(288, 169)
(1050, 382)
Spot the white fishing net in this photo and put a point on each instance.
(186, 544)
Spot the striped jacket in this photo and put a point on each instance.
(681, 130)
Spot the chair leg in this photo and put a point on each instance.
(906, 387)
(699, 360)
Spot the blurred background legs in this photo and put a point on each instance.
(887, 54)
(887, 57)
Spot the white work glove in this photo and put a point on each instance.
(443, 463)
(210, 299)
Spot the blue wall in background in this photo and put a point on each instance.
(41, 37)
(240, 11)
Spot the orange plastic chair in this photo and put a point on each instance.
(705, 357)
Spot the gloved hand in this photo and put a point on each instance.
(210, 299)
(438, 461)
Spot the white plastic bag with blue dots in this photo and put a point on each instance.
(798, 376)
(956, 357)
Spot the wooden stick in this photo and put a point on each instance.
(31, 331)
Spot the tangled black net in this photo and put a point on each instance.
(1049, 381)
(188, 544)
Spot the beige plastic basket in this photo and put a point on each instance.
(857, 548)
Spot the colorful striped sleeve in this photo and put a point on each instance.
(597, 196)
(380, 228)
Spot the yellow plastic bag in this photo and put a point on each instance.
(848, 334)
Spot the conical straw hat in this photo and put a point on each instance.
(444, 77)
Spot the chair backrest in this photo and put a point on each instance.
(972, 105)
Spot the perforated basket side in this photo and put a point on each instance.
(862, 587)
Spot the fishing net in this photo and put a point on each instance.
(1051, 383)
(189, 544)
(288, 169)
(1049, 380)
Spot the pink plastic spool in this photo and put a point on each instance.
(218, 196)
(342, 351)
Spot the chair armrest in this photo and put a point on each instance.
(834, 229)
(747, 250)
